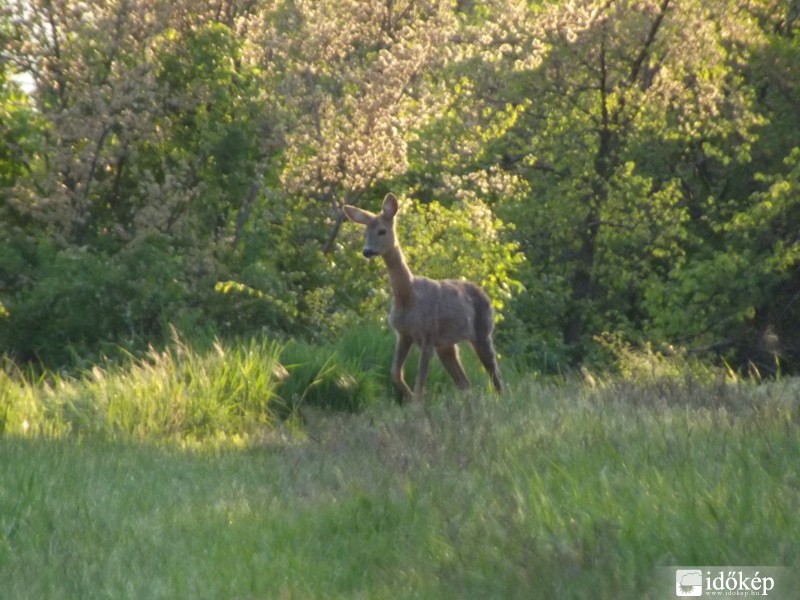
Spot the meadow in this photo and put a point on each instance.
(261, 470)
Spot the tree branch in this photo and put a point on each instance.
(352, 199)
(636, 66)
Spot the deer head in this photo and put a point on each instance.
(380, 236)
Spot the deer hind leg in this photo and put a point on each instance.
(449, 357)
(400, 354)
(425, 354)
(485, 351)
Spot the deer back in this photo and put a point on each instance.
(443, 313)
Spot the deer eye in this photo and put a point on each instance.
(382, 231)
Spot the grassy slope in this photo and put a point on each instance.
(546, 492)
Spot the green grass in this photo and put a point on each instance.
(549, 491)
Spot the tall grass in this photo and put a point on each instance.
(171, 394)
(231, 390)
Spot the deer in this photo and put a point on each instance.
(433, 314)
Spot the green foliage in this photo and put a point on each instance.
(743, 299)
(83, 303)
(174, 163)
(622, 177)
(463, 241)
(20, 128)
(245, 306)
(281, 282)
(645, 365)
(216, 128)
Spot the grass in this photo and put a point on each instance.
(173, 394)
(549, 491)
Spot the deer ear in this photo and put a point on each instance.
(390, 205)
(362, 217)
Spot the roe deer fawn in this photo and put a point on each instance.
(435, 315)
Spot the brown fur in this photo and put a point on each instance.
(435, 315)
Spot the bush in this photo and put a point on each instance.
(75, 304)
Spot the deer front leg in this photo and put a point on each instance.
(400, 354)
(425, 353)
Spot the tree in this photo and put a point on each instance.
(603, 133)
(151, 131)
(640, 154)
(122, 87)
(738, 298)
(350, 71)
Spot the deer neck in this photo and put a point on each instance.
(400, 277)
